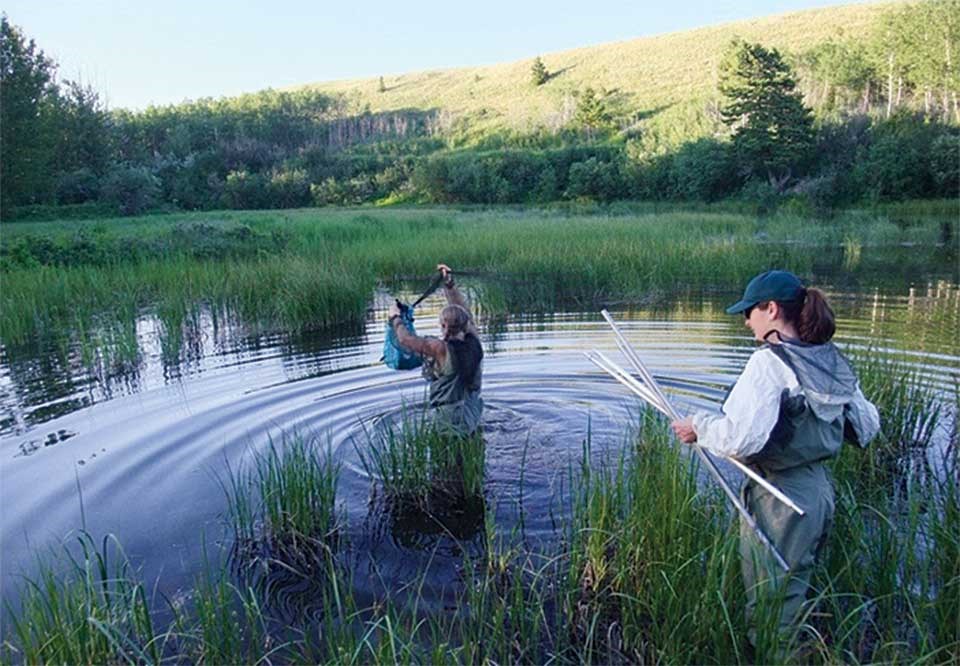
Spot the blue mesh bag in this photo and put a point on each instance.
(395, 356)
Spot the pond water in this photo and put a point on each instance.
(140, 446)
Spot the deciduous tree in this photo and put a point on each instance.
(27, 132)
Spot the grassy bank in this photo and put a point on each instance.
(88, 282)
(647, 569)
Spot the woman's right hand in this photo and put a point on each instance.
(684, 430)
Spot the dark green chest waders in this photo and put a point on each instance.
(455, 386)
(792, 459)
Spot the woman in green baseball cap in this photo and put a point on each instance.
(788, 413)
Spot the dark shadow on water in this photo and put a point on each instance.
(293, 577)
(443, 516)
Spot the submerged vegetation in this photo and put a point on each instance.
(647, 570)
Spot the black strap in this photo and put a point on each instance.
(432, 288)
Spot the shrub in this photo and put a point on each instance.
(763, 194)
(820, 194)
(595, 179)
(244, 190)
(78, 187)
(193, 183)
(328, 192)
(897, 163)
(132, 189)
(945, 164)
(546, 188)
(703, 170)
(289, 189)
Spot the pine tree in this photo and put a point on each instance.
(591, 112)
(772, 129)
(538, 72)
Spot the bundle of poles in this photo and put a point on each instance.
(650, 392)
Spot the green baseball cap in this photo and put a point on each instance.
(781, 286)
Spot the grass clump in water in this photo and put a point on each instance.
(653, 562)
(282, 507)
(423, 466)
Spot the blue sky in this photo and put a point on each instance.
(137, 53)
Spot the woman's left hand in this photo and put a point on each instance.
(394, 310)
(684, 430)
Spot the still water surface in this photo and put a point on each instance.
(141, 446)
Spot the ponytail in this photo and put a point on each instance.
(812, 316)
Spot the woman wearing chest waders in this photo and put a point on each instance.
(788, 413)
(452, 363)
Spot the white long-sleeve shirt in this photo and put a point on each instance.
(751, 410)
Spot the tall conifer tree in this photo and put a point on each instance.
(772, 129)
(538, 72)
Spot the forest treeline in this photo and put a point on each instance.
(846, 121)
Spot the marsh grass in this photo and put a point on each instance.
(422, 466)
(647, 571)
(647, 543)
(283, 512)
(223, 623)
(85, 606)
(315, 268)
(890, 584)
(910, 413)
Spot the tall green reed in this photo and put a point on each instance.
(282, 505)
(421, 464)
(85, 606)
(647, 544)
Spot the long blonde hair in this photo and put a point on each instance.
(456, 317)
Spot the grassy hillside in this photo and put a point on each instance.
(668, 80)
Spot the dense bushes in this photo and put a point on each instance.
(275, 189)
(76, 187)
(857, 159)
(599, 172)
(132, 189)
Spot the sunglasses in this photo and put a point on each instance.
(746, 313)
